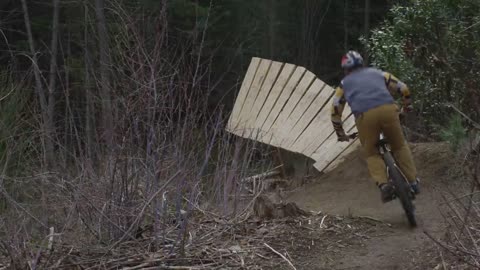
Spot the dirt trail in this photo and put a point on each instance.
(348, 190)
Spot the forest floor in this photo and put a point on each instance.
(377, 235)
(345, 227)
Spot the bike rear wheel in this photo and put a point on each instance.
(402, 189)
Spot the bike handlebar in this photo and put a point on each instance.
(353, 136)
(349, 137)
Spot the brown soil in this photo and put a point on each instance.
(348, 191)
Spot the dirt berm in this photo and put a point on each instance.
(348, 191)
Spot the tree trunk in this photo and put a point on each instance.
(88, 95)
(107, 115)
(271, 28)
(345, 25)
(40, 91)
(52, 80)
(367, 27)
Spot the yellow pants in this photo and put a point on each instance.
(384, 119)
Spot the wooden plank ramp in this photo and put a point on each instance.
(287, 106)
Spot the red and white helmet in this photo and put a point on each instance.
(352, 59)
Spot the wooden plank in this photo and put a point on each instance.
(282, 101)
(317, 131)
(280, 126)
(320, 125)
(343, 156)
(333, 154)
(242, 94)
(274, 95)
(252, 115)
(340, 157)
(308, 117)
(323, 130)
(257, 83)
(329, 150)
(326, 146)
(286, 106)
(298, 113)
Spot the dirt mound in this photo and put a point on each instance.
(269, 206)
(349, 191)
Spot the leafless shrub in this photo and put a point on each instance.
(170, 157)
(462, 214)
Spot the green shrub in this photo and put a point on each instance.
(454, 133)
(433, 45)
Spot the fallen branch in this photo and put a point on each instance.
(376, 220)
(321, 222)
(475, 124)
(281, 255)
(272, 172)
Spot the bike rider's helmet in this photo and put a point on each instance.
(351, 60)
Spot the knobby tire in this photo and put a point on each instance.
(402, 190)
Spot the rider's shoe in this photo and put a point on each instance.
(387, 192)
(415, 186)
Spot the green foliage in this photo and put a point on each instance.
(434, 46)
(13, 101)
(454, 133)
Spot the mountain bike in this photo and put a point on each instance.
(396, 177)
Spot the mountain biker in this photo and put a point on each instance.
(369, 93)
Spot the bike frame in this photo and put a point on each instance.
(396, 177)
(383, 148)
